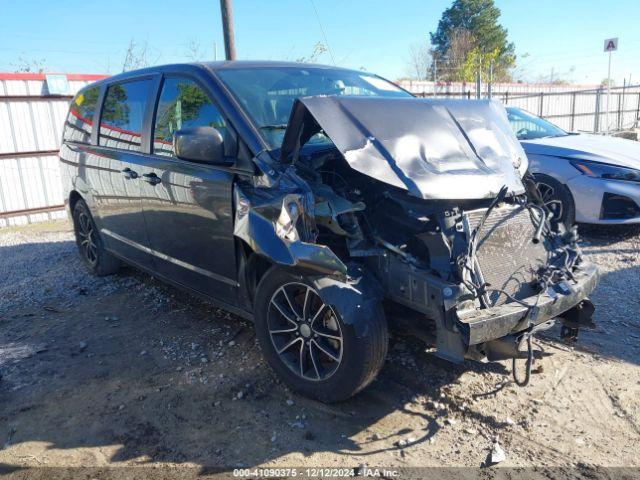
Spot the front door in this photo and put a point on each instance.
(188, 206)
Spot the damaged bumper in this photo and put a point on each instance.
(480, 326)
(448, 231)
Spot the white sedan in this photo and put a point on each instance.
(582, 178)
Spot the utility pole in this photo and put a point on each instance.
(490, 86)
(435, 75)
(478, 79)
(621, 104)
(227, 27)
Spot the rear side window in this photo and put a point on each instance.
(183, 104)
(123, 114)
(79, 123)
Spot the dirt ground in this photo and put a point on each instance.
(125, 371)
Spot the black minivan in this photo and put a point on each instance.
(319, 202)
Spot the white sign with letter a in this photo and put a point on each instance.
(611, 45)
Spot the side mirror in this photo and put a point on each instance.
(199, 144)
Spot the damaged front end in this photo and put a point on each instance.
(427, 200)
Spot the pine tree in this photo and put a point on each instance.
(477, 20)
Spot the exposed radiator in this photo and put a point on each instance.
(507, 256)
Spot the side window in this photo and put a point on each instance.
(520, 124)
(123, 114)
(182, 104)
(79, 123)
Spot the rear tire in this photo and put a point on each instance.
(557, 198)
(89, 242)
(311, 348)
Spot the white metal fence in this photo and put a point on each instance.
(427, 88)
(31, 122)
(571, 107)
(583, 110)
(32, 118)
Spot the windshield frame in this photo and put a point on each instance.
(261, 131)
(539, 121)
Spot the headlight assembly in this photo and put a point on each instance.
(609, 172)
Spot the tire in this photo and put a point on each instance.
(309, 366)
(557, 197)
(90, 245)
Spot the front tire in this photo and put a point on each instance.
(307, 342)
(89, 242)
(557, 198)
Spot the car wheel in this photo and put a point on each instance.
(90, 245)
(557, 198)
(307, 343)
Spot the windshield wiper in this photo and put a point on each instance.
(280, 126)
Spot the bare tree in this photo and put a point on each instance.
(194, 51)
(419, 61)
(461, 43)
(608, 83)
(318, 49)
(138, 56)
(557, 77)
(520, 72)
(25, 65)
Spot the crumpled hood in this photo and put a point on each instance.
(434, 149)
(598, 148)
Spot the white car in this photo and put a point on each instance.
(582, 178)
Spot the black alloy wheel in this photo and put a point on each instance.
(305, 332)
(87, 238)
(90, 245)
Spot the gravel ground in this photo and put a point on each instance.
(125, 371)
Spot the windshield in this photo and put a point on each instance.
(267, 94)
(528, 127)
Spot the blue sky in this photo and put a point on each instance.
(92, 36)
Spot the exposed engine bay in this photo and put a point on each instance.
(432, 200)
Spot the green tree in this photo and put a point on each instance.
(181, 104)
(467, 70)
(475, 21)
(115, 110)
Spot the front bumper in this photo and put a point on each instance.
(588, 194)
(479, 326)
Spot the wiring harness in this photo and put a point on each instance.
(565, 256)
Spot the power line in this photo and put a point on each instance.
(324, 35)
(49, 39)
(576, 54)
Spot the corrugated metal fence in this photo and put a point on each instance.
(31, 122)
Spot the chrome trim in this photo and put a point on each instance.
(168, 258)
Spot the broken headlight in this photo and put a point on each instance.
(609, 172)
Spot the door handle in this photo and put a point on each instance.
(151, 178)
(129, 174)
